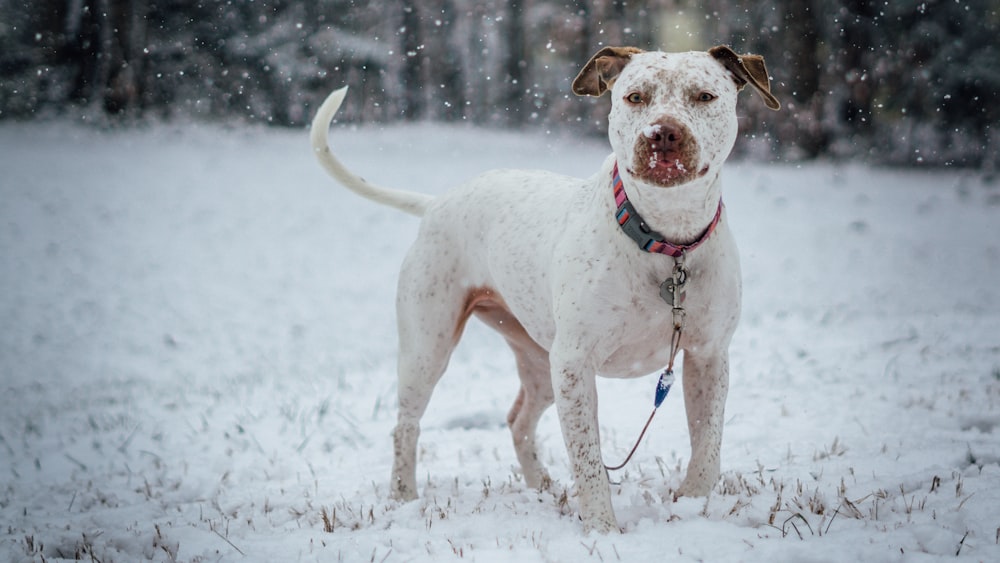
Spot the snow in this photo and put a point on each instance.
(651, 131)
(197, 363)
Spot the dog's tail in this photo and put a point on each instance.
(410, 202)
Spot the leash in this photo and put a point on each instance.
(672, 290)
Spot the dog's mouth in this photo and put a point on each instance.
(666, 169)
(670, 165)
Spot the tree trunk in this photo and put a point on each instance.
(514, 64)
(804, 72)
(412, 102)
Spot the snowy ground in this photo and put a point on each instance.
(197, 364)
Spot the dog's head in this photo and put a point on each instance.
(673, 115)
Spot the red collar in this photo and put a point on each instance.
(647, 239)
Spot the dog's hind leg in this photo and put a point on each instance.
(534, 397)
(533, 369)
(431, 313)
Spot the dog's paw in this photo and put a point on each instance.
(601, 525)
(693, 488)
(539, 481)
(402, 492)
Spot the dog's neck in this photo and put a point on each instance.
(681, 214)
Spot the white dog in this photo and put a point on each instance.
(575, 273)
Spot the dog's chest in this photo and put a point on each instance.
(642, 320)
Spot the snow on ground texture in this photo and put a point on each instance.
(197, 362)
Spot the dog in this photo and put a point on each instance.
(571, 272)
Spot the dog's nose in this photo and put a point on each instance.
(665, 137)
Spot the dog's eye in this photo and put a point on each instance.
(634, 98)
(705, 97)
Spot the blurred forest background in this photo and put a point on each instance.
(900, 81)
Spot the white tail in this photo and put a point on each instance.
(410, 202)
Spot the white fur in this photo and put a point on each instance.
(540, 258)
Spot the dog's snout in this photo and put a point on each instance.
(667, 152)
(665, 137)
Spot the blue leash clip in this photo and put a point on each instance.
(663, 387)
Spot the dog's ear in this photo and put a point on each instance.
(747, 69)
(601, 71)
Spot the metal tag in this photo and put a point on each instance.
(672, 291)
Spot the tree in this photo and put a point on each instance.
(412, 45)
(913, 81)
(515, 63)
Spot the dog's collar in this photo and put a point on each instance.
(648, 239)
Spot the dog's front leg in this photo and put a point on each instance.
(576, 401)
(706, 383)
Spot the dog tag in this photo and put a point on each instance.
(672, 291)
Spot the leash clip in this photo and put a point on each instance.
(672, 290)
(663, 387)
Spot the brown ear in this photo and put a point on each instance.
(747, 69)
(600, 72)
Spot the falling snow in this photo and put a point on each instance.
(198, 364)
